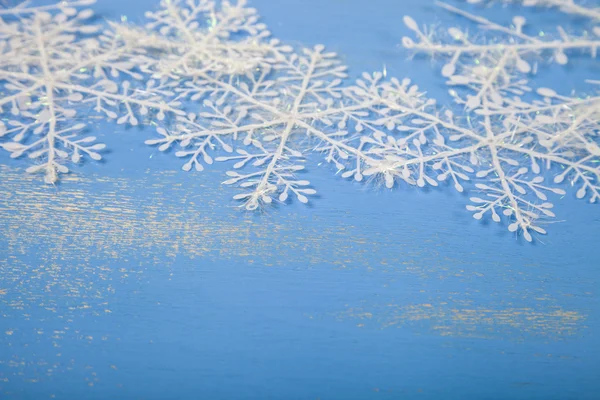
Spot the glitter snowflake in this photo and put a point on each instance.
(273, 115)
(509, 140)
(54, 63)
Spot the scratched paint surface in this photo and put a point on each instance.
(131, 279)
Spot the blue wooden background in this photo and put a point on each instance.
(134, 280)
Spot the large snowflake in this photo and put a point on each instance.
(509, 140)
(273, 114)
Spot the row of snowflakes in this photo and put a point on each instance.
(217, 87)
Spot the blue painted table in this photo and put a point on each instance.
(134, 280)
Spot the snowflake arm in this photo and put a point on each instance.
(566, 6)
(68, 7)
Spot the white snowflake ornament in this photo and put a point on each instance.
(54, 64)
(511, 141)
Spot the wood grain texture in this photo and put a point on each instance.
(102, 275)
